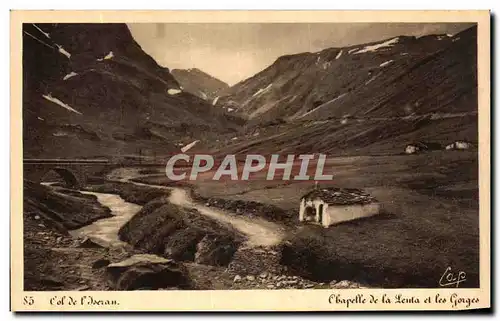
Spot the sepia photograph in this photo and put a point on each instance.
(185, 156)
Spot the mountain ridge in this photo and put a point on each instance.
(97, 82)
(199, 83)
(296, 84)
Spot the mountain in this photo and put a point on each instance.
(371, 98)
(399, 76)
(90, 90)
(199, 83)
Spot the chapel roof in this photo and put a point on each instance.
(340, 196)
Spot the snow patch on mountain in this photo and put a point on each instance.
(262, 90)
(40, 41)
(338, 55)
(215, 101)
(189, 146)
(71, 74)
(352, 50)
(108, 56)
(63, 51)
(174, 91)
(43, 32)
(371, 79)
(203, 95)
(60, 103)
(324, 104)
(386, 63)
(373, 48)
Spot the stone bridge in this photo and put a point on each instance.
(74, 172)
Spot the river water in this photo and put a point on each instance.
(105, 231)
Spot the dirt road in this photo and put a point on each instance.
(258, 231)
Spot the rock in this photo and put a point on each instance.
(342, 284)
(271, 286)
(263, 275)
(147, 271)
(59, 239)
(82, 288)
(37, 217)
(100, 263)
(279, 284)
(215, 250)
(309, 285)
(333, 282)
(237, 278)
(90, 244)
(250, 278)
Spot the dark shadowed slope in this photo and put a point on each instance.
(89, 89)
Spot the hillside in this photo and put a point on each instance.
(372, 98)
(199, 83)
(89, 89)
(400, 76)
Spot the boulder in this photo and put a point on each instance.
(342, 284)
(459, 145)
(216, 250)
(147, 272)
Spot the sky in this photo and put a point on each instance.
(234, 52)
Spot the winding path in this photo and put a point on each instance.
(258, 231)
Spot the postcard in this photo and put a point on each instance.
(250, 160)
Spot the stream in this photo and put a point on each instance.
(105, 231)
(258, 231)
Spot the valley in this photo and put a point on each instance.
(99, 96)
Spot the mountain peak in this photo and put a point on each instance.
(200, 83)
